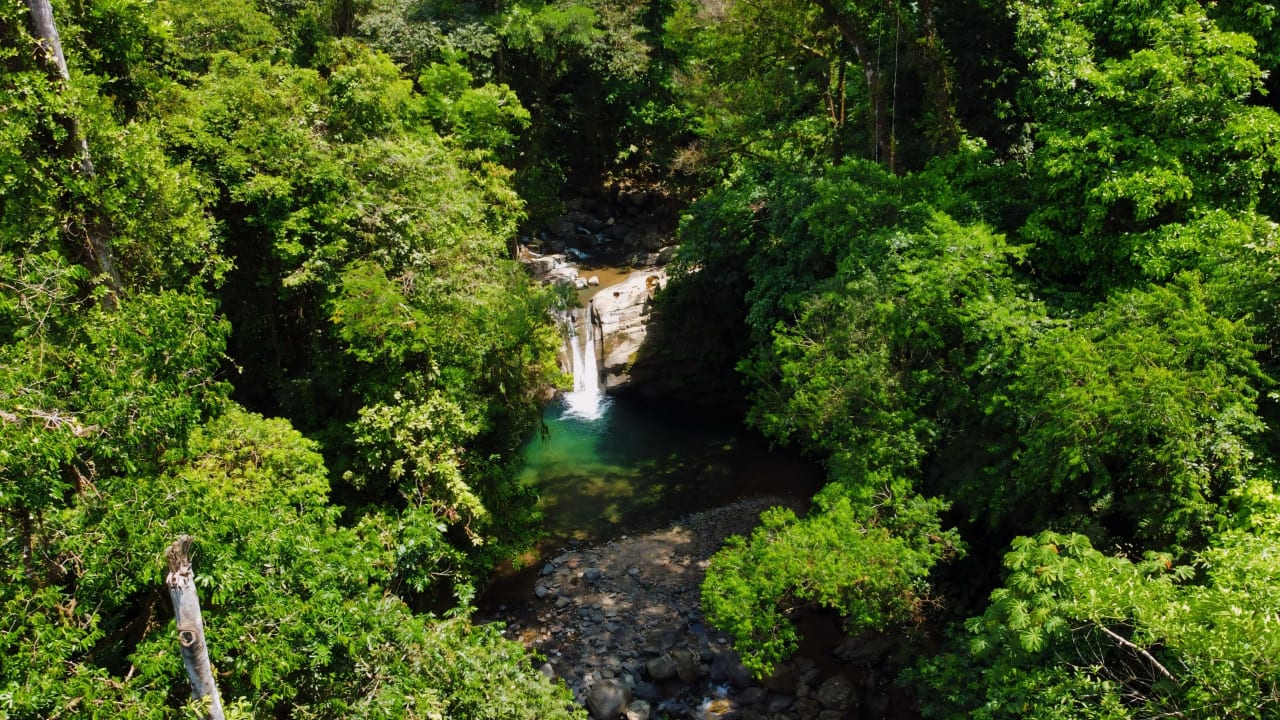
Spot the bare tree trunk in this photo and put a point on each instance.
(50, 43)
(186, 611)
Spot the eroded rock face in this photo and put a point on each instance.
(624, 310)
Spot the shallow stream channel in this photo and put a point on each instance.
(637, 497)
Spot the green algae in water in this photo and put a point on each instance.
(637, 467)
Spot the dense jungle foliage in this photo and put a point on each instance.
(1008, 267)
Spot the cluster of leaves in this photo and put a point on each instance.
(1075, 633)
(871, 567)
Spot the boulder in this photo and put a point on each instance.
(835, 693)
(779, 703)
(647, 691)
(653, 241)
(687, 667)
(541, 265)
(866, 648)
(753, 696)
(562, 228)
(782, 679)
(607, 699)
(661, 667)
(639, 710)
(807, 709)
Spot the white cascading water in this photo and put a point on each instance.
(585, 402)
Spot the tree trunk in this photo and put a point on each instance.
(881, 125)
(46, 33)
(186, 611)
(938, 78)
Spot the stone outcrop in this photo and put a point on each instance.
(621, 228)
(624, 311)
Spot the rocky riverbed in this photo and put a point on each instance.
(621, 624)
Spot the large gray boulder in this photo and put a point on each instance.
(661, 667)
(608, 698)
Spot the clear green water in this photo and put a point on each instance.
(638, 467)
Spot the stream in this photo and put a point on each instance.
(636, 497)
(604, 467)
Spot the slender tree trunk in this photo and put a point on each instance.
(880, 125)
(50, 43)
(186, 611)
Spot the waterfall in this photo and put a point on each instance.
(586, 401)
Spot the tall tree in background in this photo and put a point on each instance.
(49, 51)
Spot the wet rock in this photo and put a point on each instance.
(835, 693)
(675, 709)
(607, 699)
(782, 679)
(661, 667)
(779, 703)
(638, 710)
(687, 666)
(720, 709)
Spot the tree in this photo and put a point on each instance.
(1141, 123)
(1138, 417)
(1075, 633)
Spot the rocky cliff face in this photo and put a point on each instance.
(624, 311)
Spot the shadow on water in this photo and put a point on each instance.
(638, 467)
